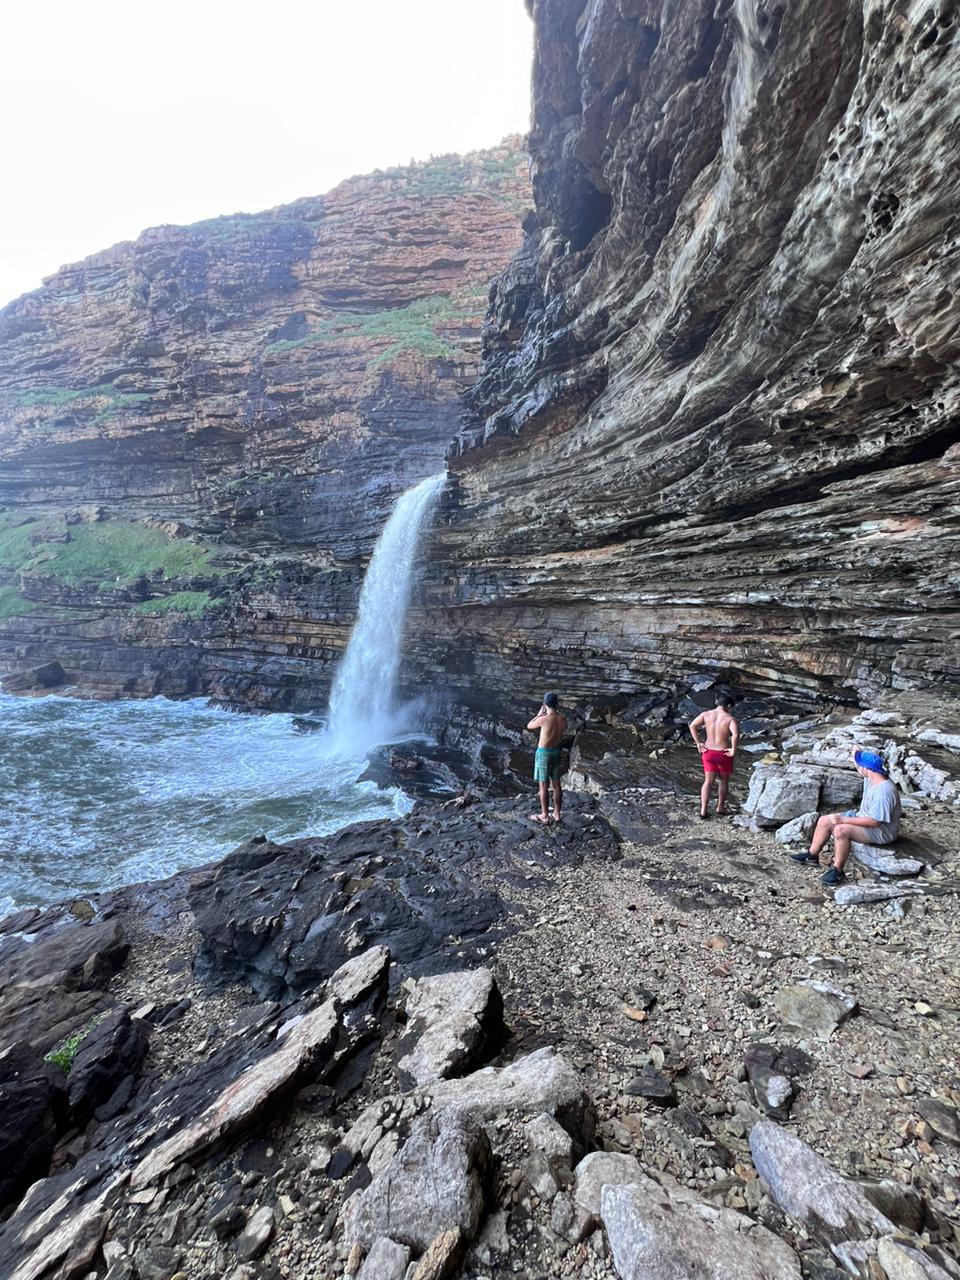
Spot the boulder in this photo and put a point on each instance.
(28, 1127)
(386, 1260)
(548, 1137)
(602, 1169)
(832, 1209)
(434, 1184)
(814, 1008)
(771, 1072)
(779, 793)
(256, 1235)
(943, 1119)
(110, 1054)
(851, 895)
(454, 1020)
(655, 1234)
(359, 976)
(797, 830)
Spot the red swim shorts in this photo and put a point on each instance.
(717, 762)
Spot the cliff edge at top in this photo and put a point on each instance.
(715, 427)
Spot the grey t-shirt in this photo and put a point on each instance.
(881, 800)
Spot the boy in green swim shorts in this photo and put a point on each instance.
(546, 766)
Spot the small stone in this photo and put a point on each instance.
(925, 1010)
(256, 1235)
(636, 1015)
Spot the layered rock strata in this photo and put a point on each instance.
(203, 431)
(715, 431)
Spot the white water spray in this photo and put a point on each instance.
(362, 711)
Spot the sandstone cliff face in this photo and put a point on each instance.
(715, 429)
(202, 432)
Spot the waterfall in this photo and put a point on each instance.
(362, 711)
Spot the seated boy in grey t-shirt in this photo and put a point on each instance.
(880, 800)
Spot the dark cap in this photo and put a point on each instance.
(550, 700)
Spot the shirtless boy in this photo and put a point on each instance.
(723, 734)
(546, 766)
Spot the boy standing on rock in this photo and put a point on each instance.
(717, 753)
(876, 822)
(546, 765)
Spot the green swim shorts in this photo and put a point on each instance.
(546, 765)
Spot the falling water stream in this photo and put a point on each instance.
(363, 710)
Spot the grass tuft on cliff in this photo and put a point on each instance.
(193, 604)
(414, 327)
(102, 401)
(106, 554)
(13, 604)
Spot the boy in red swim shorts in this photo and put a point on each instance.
(717, 753)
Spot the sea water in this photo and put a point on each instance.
(98, 794)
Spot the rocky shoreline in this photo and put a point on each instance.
(455, 1045)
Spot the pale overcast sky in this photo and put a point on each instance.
(123, 115)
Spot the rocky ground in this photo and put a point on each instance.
(302, 1099)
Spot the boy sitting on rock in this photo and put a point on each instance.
(877, 821)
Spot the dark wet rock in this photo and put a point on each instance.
(30, 1099)
(50, 987)
(109, 1055)
(285, 917)
(654, 1086)
(942, 1118)
(771, 1073)
(46, 676)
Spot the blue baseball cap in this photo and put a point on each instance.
(871, 760)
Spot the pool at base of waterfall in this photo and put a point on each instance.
(99, 794)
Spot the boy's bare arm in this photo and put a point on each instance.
(693, 727)
(539, 719)
(734, 737)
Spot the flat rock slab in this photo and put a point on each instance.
(778, 794)
(852, 895)
(659, 1235)
(247, 1097)
(814, 1008)
(885, 860)
(943, 1119)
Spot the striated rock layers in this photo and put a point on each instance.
(715, 431)
(202, 431)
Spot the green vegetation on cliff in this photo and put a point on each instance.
(104, 554)
(13, 604)
(410, 328)
(104, 400)
(193, 604)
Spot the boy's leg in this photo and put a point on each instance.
(705, 791)
(821, 833)
(557, 799)
(722, 793)
(543, 815)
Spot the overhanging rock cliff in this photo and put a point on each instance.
(715, 429)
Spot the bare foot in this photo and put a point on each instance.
(539, 817)
(555, 817)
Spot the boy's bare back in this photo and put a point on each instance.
(719, 726)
